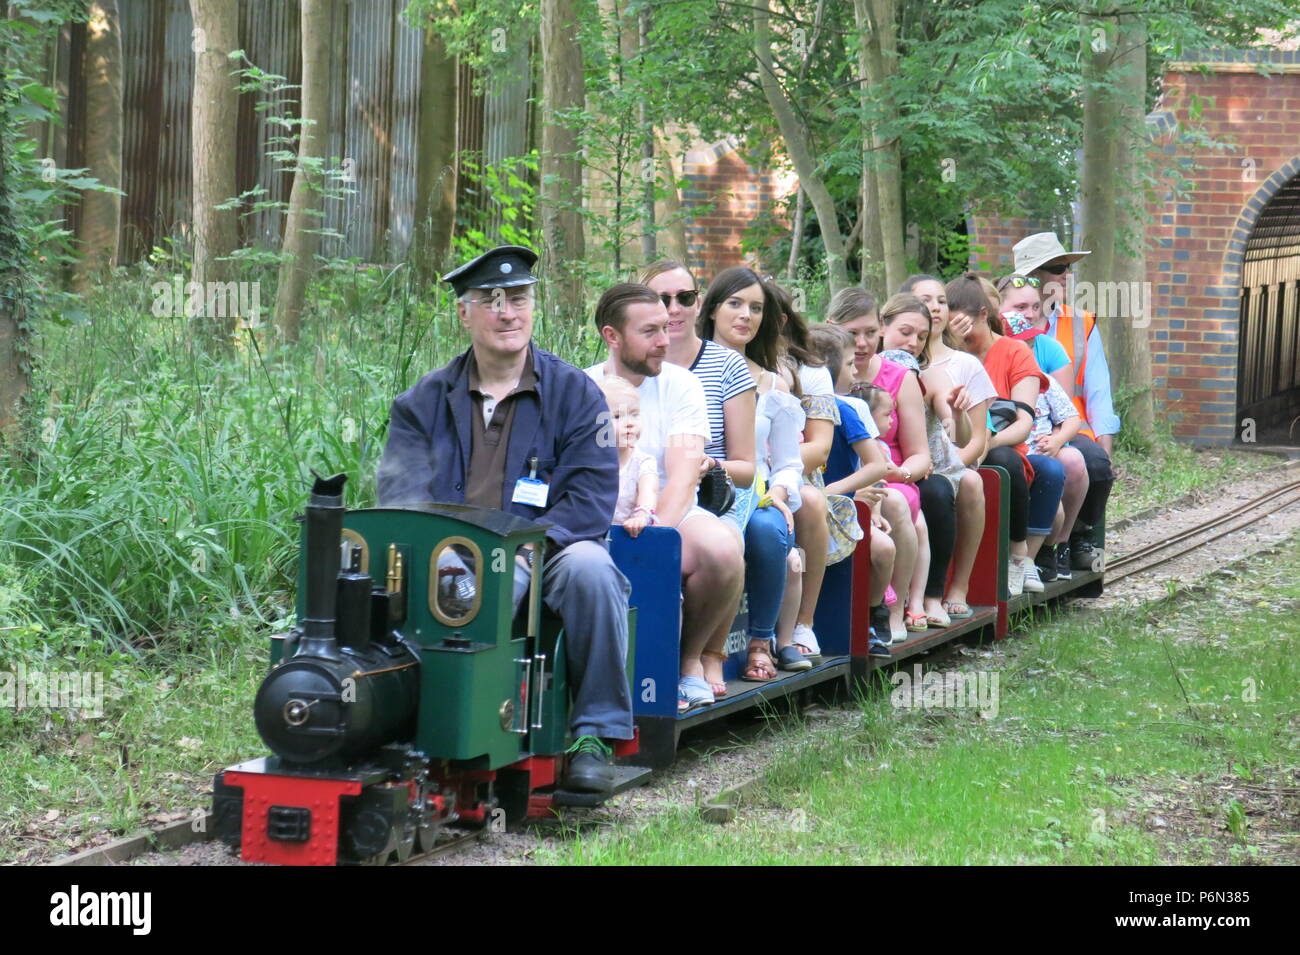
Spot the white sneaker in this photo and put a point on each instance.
(1033, 582)
(1015, 577)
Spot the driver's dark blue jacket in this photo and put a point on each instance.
(564, 424)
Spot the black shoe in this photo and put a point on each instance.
(1046, 561)
(591, 767)
(1082, 554)
(878, 649)
(880, 622)
(1063, 561)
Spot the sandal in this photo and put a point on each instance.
(760, 662)
(916, 622)
(958, 609)
(720, 688)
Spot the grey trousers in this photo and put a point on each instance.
(582, 585)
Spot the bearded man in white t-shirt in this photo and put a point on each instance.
(674, 428)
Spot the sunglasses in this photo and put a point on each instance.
(1059, 269)
(1018, 281)
(684, 299)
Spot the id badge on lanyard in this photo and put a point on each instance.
(531, 490)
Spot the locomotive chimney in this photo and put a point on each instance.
(324, 530)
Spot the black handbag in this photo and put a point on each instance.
(717, 494)
(1003, 412)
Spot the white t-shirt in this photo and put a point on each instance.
(815, 380)
(963, 368)
(672, 403)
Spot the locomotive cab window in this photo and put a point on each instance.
(456, 581)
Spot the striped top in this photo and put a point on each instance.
(724, 374)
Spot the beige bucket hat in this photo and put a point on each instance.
(1035, 251)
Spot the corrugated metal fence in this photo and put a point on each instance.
(374, 117)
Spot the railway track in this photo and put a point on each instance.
(1243, 516)
(721, 806)
(455, 844)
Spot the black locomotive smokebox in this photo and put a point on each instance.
(299, 712)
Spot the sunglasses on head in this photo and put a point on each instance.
(1018, 281)
(684, 299)
(1059, 269)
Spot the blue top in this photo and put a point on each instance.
(427, 455)
(843, 460)
(1097, 399)
(1049, 353)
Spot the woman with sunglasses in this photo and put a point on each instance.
(1036, 480)
(951, 368)
(728, 385)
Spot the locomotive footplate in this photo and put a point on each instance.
(625, 777)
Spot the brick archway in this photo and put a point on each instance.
(1264, 259)
(1250, 213)
(1197, 244)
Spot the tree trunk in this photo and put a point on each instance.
(302, 225)
(670, 240)
(796, 234)
(101, 212)
(561, 165)
(649, 245)
(213, 119)
(1112, 281)
(877, 22)
(799, 149)
(873, 246)
(435, 201)
(15, 371)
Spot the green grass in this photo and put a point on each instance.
(1123, 739)
(148, 532)
(170, 720)
(1169, 470)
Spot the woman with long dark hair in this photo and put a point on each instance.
(740, 313)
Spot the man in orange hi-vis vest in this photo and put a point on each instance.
(1042, 256)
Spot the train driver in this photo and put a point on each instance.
(508, 425)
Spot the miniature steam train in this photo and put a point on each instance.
(411, 695)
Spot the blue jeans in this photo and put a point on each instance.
(767, 545)
(1044, 494)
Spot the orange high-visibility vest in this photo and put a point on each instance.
(1065, 335)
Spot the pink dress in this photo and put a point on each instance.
(890, 377)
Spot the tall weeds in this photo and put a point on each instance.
(160, 501)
